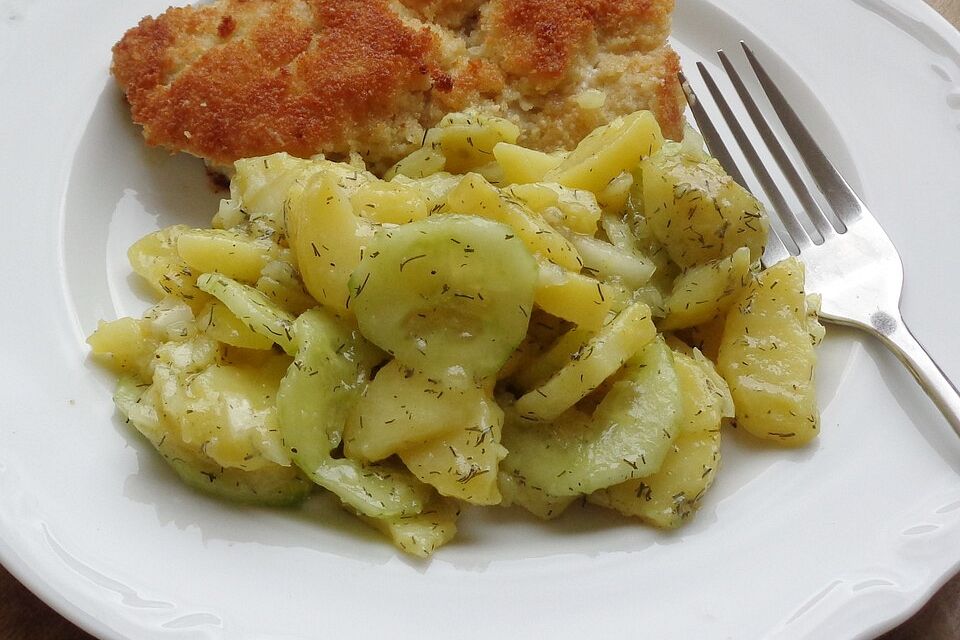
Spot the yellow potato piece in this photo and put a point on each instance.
(390, 202)
(701, 294)
(327, 239)
(575, 209)
(609, 151)
(544, 366)
(615, 195)
(422, 163)
(423, 533)
(463, 463)
(580, 299)
(706, 337)
(221, 324)
(697, 211)
(467, 140)
(706, 396)
(154, 257)
(225, 411)
(263, 187)
(521, 165)
(225, 251)
(517, 491)
(125, 345)
(767, 358)
(272, 484)
(433, 188)
(402, 408)
(670, 496)
(475, 196)
(261, 184)
(597, 360)
(281, 283)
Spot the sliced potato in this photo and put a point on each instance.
(404, 408)
(425, 161)
(392, 202)
(614, 196)
(669, 497)
(574, 209)
(706, 396)
(463, 463)
(467, 140)
(261, 185)
(423, 533)
(433, 188)
(282, 284)
(767, 358)
(475, 196)
(705, 292)
(697, 211)
(609, 151)
(154, 258)
(271, 485)
(125, 345)
(596, 361)
(327, 239)
(580, 299)
(545, 365)
(516, 491)
(521, 165)
(706, 337)
(230, 252)
(221, 324)
(225, 410)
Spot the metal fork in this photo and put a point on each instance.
(853, 264)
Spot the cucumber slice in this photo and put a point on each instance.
(331, 368)
(446, 295)
(627, 437)
(253, 307)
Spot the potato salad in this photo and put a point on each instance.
(484, 325)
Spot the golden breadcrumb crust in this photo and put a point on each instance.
(241, 78)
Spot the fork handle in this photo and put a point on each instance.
(893, 332)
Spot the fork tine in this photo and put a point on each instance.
(775, 250)
(813, 210)
(787, 217)
(714, 142)
(845, 203)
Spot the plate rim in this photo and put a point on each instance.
(44, 586)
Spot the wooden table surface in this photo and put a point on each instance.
(24, 617)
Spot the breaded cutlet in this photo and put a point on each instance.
(241, 78)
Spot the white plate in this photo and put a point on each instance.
(839, 540)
